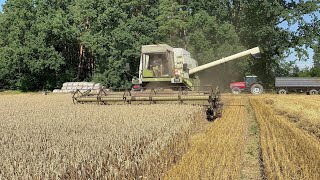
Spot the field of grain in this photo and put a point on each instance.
(258, 137)
(48, 137)
(289, 149)
(302, 110)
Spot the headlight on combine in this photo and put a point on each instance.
(177, 79)
(136, 87)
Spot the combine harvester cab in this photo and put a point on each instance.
(167, 75)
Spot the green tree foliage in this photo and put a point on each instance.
(315, 70)
(316, 56)
(31, 33)
(257, 23)
(45, 43)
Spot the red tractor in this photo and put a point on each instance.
(250, 85)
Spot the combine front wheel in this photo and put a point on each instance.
(256, 89)
(211, 114)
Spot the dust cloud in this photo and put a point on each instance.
(221, 76)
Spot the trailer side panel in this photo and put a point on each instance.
(297, 82)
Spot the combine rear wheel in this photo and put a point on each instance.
(256, 89)
(236, 90)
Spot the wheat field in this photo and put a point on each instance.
(302, 110)
(48, 137)
(289, 151)
(258, 137)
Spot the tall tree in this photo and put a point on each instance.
(257, 24)
(173, 19)
(45, 43)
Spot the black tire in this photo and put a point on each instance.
(236, 90)
(256, 89)
(282, 91)
(313, 92)
(210, 114)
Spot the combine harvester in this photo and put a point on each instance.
(167, 74)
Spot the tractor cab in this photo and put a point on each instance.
(249, 80)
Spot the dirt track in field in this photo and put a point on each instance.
(219, 152)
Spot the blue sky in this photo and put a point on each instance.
(2, 2)
(301, 64)
(294, 27)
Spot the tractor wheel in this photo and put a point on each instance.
(256, 89)
(282, 91)
(236, 90)
(313, 92)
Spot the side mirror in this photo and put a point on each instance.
(185, 67)
(127, 67)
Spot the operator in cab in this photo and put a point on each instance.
(156, 65)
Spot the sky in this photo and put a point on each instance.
(301, 64)
(309, 62)
(2, 2)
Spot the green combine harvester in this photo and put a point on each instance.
(167, 75)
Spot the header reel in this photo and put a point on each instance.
(209, 99)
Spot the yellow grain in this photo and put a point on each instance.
(288, 151)
(48, 137)
(217, 153)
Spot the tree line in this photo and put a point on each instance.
(44, 43)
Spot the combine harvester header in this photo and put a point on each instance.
(167, 74)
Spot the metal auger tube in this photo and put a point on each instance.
(254, 52)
